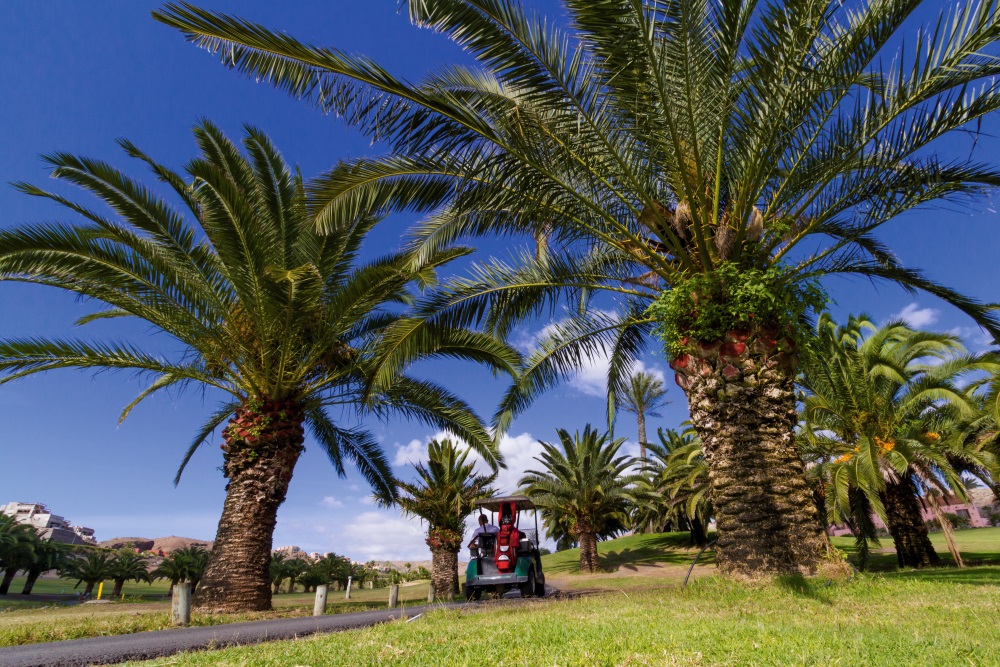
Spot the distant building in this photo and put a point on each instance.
(289, 551)
(49, 526)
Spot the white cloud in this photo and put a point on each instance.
(331, 502)
(917, 317)
(384, 535)
(975, 338)
(412, 452)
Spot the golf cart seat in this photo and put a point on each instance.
(508, 539)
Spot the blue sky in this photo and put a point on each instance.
(78, 75)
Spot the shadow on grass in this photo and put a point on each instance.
(802, 587)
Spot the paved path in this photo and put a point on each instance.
(158, 643)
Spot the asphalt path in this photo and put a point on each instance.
(159, 643)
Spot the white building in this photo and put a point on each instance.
(49, 526)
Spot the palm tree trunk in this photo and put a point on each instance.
(29, 583)
(698, 536)
(906, 525)
(444, 571)
(291, 585)
(641, 417)
(263, 443)
(588, 550)
(277, 587)
(8, 577)
(742, 402)
(119, 584)
(90, 588)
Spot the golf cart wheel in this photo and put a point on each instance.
(472, 592)
(528, 588)
(540, 588)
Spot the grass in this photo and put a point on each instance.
(136, 592)
(875, 620)
(33, 622)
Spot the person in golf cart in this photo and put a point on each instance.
(485, 528)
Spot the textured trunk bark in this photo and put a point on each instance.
(29, 583)
(119, 584)
(291, 586)
(444, 571)
(277, 588)
(8, 577)
(263, 443)
(641, 418)
(742, 402)
(588, 552)
(909, 533)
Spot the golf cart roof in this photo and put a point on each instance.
(493, 504)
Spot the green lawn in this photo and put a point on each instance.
(136, 592)
(873, 620)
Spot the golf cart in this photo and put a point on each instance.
(506, 559)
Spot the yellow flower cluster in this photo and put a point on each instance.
(932, 436)
(885, 446)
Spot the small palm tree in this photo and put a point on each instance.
(18, 544)
(49, 555)
(125, 566)
(443, 496)
(675, 486)
(877, 400)
(278, 570)
(294, 569)
(700, 164)
(184, 564)
(283, 322)
(90, 568)
(584, 485)
(644, 395)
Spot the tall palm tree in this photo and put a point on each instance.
(125, 566)
(443, 496)
(644, 394)
(877, 399)
(281, 321)
(702, 163)
(584, 485)
(89, 568)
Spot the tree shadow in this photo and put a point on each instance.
(806, 588)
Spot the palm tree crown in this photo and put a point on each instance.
(643, 396)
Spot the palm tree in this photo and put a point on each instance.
(18, 544)
(90, 568)
(184, 564)
(643, 395)
(49, 555)
(280, 320)
(125, 566)
(875, 406)
(294, 569)
(584, 485)
(443, 496)
(278, 570)
(704, 164)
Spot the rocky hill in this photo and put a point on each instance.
(167, 544)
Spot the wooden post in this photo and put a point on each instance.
(430, 593)
(180, 604)
(347, 596)
(319, 606)
(393, 595)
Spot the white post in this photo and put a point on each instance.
(319, 606)
(430, 593)
(393, 595)
(180, 604)
(348, 589)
